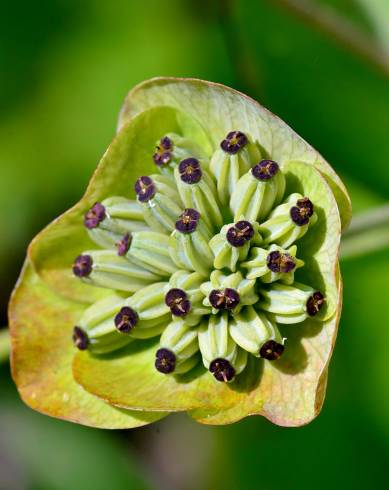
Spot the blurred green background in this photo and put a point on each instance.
(65, 67)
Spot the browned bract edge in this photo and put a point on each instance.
(126, 109)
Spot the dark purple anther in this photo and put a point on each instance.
(190, 170)
(240, 233)
(234, 141)
(145, 188)
(124, 244)
(271, 350)
(280, 262)
(82, 266)
(94, 216)
(222, 370)
(224, 299)
(165, 361)
(265, 169)
(301, 213)
(178, 302)
(315, 303)
(163, 153)
(80, 338)
(187, 222)
(126, 319)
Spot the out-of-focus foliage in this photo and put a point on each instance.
(65, 68)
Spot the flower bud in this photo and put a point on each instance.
(104, 268)
(228, 292)
(289, 221)
(257, 191)
(274, 264)
(198, 191)
(185, 298)
(232, 244)
(189, 243)
(220, 354)
(234, 158)
(150, 249)
(252, 330)
(290, 304)
(179, 347)
(114, 217)
(171, 149)
(96, 329)
(159, 202)
(148, 304)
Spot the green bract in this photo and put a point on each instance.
(198, 273)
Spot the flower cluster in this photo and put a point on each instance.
(198, 273)
(204, 259)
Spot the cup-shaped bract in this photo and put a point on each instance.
(198, 273)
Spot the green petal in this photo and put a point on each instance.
(41, 328)
(220, 109)
(130, 155)
(129, 380)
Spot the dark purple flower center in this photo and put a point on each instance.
(265, 169)
(187, 222)
(126, 319)
(190, 170)
(224, 299)
(240, 233)
(80, 338)
(124, 244)
(301, 213)
(222, 370)
(280, 262)
(271, 350)
(145, 188)
(315, 303)
(94, 216)
(178, 302)
(163, 152)
(82, 266)
(165, 361)
(233, 142)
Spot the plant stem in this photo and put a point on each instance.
(5, 345)
(368, 232)
(338, 28)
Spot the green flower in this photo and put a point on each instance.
(198, 273)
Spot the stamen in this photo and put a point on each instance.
(80, 338)
(265, 169)
(301, 213)
(163, 153)
(124, 244)
(165, 361)
(82, 266)
(222, 370)
(126, 319)
(94, 216)
(315, 303)
(145, 188)
(240, 233)
(224, 299)
(190, 170)
(280, 262)
(187, 222)
(234, 141)
(178, 302)
(271, 350)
